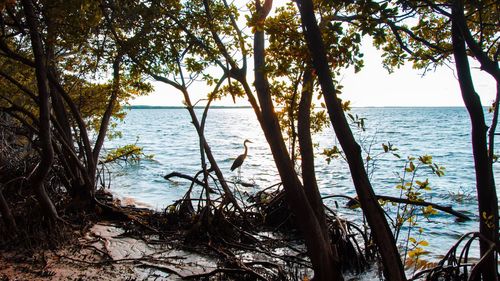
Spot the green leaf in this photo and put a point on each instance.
(411, 167)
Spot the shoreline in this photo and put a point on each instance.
(105, 252)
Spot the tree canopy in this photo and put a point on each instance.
(69, 67)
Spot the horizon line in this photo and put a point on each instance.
(139, 106)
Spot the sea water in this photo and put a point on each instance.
(443, 133)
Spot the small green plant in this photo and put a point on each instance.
(413, 184)
(130, 153)
(488, 219)
(415, 250)
(357, 121)
(407, 215)
(333, 153)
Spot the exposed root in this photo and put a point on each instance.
(263, 243)
(456, 264)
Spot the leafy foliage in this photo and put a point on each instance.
(130, 153)
(82, 67)
(289, 59)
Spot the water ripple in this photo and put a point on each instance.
(443, 133)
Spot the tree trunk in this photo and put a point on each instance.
(57, 103)
(83, 179)
(47, 153)
(61, 120)
(393, 267)
(306, 150)
(493, 127)
(318, 246)
(486, 193)
(208, 151)
(87, 192)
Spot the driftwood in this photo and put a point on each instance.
(242, 183)
(446, 209)
(184, 176)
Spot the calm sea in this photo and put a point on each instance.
(443, 133)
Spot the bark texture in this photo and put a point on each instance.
(39, 176)
(393, 267)
(318, 245)
(486, 193)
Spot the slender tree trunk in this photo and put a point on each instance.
(83, 180)
(306, 150)
(103, 128)
(88, 192)
(183, 89)
(61, 121)
(493, 127)
(318, 246)
(57, 103)
(208, 151)
(47, 152)
(393, 267)
(486, 193)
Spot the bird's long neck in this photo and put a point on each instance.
(246, 148)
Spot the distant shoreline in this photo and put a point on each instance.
(249, 107)
(177, 107)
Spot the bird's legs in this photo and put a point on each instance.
(238, 179)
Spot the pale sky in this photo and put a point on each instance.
(372, 86)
